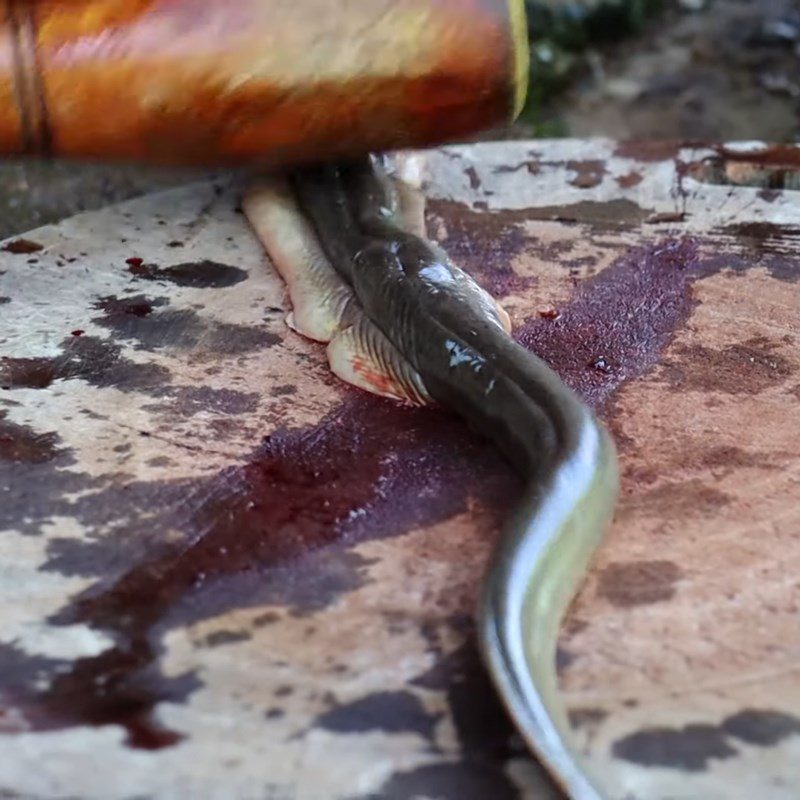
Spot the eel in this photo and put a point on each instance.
(403, 321)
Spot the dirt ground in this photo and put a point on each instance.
(728, 70)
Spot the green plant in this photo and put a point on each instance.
(561, 33)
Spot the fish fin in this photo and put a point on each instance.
(502, 315)
(321, 300)
(362, 355)
(291, 324)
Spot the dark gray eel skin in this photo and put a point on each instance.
(434, 316)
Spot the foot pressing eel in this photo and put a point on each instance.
(402, 321)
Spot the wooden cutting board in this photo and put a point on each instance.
(224, 574)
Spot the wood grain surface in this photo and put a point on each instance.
(224, 574)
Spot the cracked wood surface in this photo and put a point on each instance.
(225, 574)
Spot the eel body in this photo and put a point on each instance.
(403, 321)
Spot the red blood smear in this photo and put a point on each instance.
(617, 322)
(372, 469)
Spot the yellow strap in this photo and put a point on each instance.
(521, 53)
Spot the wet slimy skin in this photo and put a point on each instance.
(403, 321)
